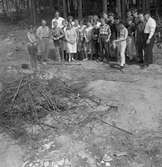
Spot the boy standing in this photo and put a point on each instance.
(121, 43)
(104, 38)
(32, 48)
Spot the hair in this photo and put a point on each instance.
(147, 12)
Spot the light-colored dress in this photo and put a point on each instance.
(71, 40)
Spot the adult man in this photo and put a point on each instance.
(104, 39)
(140, 38)
(58, 19)
(149, 32)
(43, 33)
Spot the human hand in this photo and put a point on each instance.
(148, 41)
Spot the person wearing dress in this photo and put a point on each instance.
(121, 43)
(43, 34)
(32, 48)
(58, 35)
(71, 41)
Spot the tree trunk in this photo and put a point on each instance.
(65, 8)
(118, 7)
(80, 11)
(104, 6)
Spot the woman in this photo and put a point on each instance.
(71, 41)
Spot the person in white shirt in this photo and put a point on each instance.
(58, 19)
(149, 32)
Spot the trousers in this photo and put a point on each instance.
(122, 49)
(148, 50)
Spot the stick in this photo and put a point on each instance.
(123, 130)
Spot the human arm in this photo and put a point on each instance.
(124, 38)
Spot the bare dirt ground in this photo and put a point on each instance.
(117, 121)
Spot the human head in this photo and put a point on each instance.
(102, 21)
(57, 14)
(76, 22)
(31, 28)
(121, 25)
(70, 19)
(135, 13)
(55, 24)
(95, 18)
(147, 15)
(81, 22)
(105, 16)
(129, 13)
(44, 23)
(141, 17)
(117, 20)
(130, 20)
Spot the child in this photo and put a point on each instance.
(43, 33)
(131, 50)
(121, 43)
(104, 39)
(58, 34)
(64, 23)
(71, 41)
(88, 40)
(80, 46)
(32, 48)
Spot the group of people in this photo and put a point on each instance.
(95, 38)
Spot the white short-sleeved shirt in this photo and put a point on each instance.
(59, 22)
(150, 27)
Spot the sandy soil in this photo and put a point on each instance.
(135, 93)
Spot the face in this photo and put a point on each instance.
(55, 24)
(105, 15)
(141, 17)
(43, 23)
(31, 29)
(147, 16)
(57, 14)
(102, 21)
(121, 26)
(76, 22)
(117, 21)
(111, 18)
(135, 14)
(129, 13)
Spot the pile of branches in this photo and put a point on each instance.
(29, 99)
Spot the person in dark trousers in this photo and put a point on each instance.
(139, 38)
(104, 39)
(149, 33)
